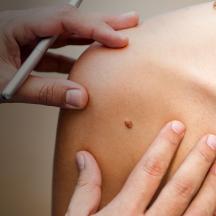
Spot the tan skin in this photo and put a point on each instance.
(144, 180)
(167, 72)
(18, 39)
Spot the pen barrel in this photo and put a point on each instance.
(31, 62)
(27, 67)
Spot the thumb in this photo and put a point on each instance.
(86, 198)
(52, 92)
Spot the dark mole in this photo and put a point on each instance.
(214, 5)
(128, 124)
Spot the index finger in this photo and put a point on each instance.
(144, 180)
(67, 19)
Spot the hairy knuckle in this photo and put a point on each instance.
(153, 166)
(183, 188)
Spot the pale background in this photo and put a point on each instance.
(27, 132)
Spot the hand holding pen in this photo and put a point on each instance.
(21, 30)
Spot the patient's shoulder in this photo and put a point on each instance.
(175, 46)
(165, 73)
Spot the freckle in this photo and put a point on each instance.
(128, 124)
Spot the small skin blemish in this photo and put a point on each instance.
(128, 124)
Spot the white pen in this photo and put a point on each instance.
(30, 63)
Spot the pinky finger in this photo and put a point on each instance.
(205, 202)
(86, 198)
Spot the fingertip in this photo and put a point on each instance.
(80, 160)
(130, 14)
(122, 41)
(86, 154)
(90, 164)
(76, 98)
(87, 163)
(118, 40)
(177, 127)
(84, 99)
(88, 189)
(173, 132)
(132, 18)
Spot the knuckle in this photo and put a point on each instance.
(97, 27)
(82, 182)
(87, 185)
(183, 188)
(95, 30)
(205, 153)
(46, 94)
(153, 166)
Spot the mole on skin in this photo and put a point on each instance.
(128, 124)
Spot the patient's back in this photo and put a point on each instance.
(167, 72)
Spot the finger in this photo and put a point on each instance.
(59, 20)
(71, 39)
(97, 30)
(52, 62)
(177, 195)
(101, 28)
(148, 173)
(205, 202)
(52, 92)
(86, 198)
(123, 21)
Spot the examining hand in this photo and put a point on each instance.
(190, 192)
(21, 30)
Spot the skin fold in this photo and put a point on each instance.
(167, 72)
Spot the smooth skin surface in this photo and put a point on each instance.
(21, 30)
(141, 185)
(167, 72)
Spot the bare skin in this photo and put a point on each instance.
(144, 180)
(167, 72)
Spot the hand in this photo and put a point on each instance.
(21, 30)
(191, 191)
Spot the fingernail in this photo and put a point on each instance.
(74, 98)
(211, 141)
(80, 161)
(123, 37)
(178, 127)
(129, 14)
